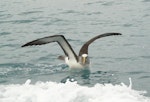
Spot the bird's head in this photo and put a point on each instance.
(84, 58)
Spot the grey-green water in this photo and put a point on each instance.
(113, 59)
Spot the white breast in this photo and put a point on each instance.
(74, 64)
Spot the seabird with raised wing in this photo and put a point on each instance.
(72, 60)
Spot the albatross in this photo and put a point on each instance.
(72, 60)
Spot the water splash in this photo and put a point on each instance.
(69, 92)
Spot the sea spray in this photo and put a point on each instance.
(70, 92)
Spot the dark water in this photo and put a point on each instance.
(113, 59)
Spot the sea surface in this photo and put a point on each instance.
(120, 65)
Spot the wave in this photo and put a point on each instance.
(69, 92)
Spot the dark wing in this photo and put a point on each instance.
(84, 48)
(60, 39)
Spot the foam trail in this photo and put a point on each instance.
(69, 92)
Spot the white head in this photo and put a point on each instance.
(84, 58)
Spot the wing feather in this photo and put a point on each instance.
(60, 39)
(84, 48)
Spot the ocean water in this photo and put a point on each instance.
(120, 65)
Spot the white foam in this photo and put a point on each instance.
(69, 92)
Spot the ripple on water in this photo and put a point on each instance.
(146, 0)
(18, 21)
(4, 33)
(30, 12)
(22, 21)
(60, 72)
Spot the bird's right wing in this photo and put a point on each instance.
(60, 39)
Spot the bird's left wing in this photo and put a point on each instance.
(84, 48)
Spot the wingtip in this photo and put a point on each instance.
(27, 44)
(117, 34)
(23, 45)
